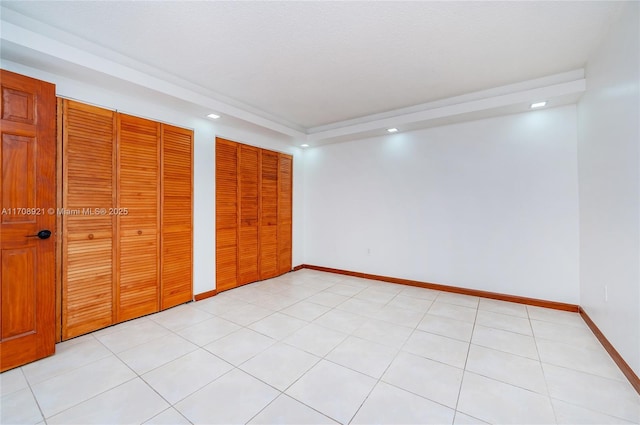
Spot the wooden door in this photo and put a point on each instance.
(253, 214)
(177, 216)
(268, 214)
(285, 215)
(137, 217)
(248, 188)
(28, 202)
(226, 214)
(88, 222)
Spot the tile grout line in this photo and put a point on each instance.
(171, 407)
(398, 351)
(283, 392)
(511, 353)
(45, 418)
(137, 376)
(60, 373)
(466, 360)
(33, 394)
(593, 411)
(544, 375)
(375, 385)
(366, 319)
(330, 351)
(94, 396)
(234, 367)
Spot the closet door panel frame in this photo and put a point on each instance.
(59, 192)
(137, 232)
(228, 254)
(78, 228)
(268, 218)
(226, 232)
(285, 215)
(168, 300)
(95, 232)
(248, 216)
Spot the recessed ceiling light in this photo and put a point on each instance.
(213, 116)
(304, 145)
(392, 130)
(538, 105)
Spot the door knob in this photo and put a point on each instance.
(42, 234)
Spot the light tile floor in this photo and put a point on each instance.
(318, 348)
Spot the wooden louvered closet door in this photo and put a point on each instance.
(248, 177)
(88, 236)
(253, 214)
(177, 216)
(127, 197)
(138, 192)
(226, 214)
(268, 214)
(285, 215)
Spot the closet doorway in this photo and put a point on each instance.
(254, 189)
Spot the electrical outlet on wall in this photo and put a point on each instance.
(368, 251)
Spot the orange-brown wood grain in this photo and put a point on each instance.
(285, 213)
(27, 192)
(248, 178)
(268, 214)
(59, 166)
(177, 216)
(615, 355)
(138, 192)
(226, 214)
(127, 194)
(447, 288)
(254, 190)
(88, 185)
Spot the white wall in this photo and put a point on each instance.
(609, 173)
(489, 205)
(158, 108)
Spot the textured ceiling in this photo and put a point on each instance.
(317, 63)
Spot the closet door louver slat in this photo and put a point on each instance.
(248, 178)
(88, 237)
(269, 215)
(253, 214)
(127, 224)
(226, 215)
(177, 216)
(285, 216)
(138, 192)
